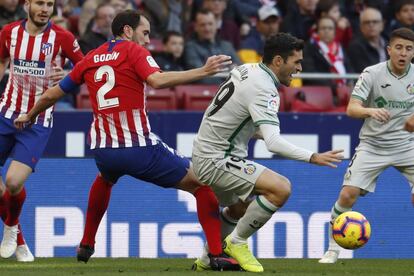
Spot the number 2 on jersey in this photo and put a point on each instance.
(109, 84)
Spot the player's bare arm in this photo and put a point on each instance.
(213, 65)
(57, 74)
(357, 110)
(49, 98)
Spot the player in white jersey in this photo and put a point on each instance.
(246, 105)
(36, 49)
(384, 98)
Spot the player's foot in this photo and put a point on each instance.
(242, 254)
(223, 263)
(9, 243)
(84, 253)
(330, 257)
(198, 265)
(23, 254)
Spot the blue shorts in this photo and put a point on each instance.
(25, 146)
(157, 164)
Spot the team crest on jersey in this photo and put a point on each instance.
(249, 169)
(47, 48)
(76, 46)
(410, 89)
(273, 105)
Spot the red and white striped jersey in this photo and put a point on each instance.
(115, 74)
(31, 62)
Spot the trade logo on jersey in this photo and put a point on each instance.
(47, 48)
(410, 89)
(249, 169)
(380, 102)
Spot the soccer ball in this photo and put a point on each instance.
(351, 230)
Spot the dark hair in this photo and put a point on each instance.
(324, 6)
(400, 4)
(169, 34)
(124, 18)
(104, 4)
(203, 11)
(281, 44)
(404, 33)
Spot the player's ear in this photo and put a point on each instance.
(277, 61)
(127, 30)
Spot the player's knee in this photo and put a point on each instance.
(280, 192)
(14, 186)
(348, 197)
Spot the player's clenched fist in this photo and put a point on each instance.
(23, 121)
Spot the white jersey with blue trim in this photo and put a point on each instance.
(248, 98)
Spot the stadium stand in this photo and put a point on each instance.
(195, 97)
(309, 99)
(161, 99)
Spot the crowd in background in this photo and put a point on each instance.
(342, 36)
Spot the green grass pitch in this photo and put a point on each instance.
(135, 266)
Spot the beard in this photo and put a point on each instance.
(37, 23)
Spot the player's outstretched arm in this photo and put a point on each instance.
(356, 109)
(328, 158)
(48, 98)
(277, 144)
(213, 65)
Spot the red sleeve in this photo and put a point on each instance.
(76, 74)
(70, 47)
(4, 49)
(142, 61)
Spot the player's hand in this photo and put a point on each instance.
(23, 121)
(57, 74)
(328, 158)
(380, 114)
(409, 124)
(216, 64)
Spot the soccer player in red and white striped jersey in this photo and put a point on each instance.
(120, 135)
(36, 50)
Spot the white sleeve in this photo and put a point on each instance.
(276, 144)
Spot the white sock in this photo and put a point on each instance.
(257, 214)
(335, 212)
(227, 223)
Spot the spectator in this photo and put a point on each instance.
(299, 22)
(251, 49)
(323, 54)
(101, 29)
(205, 44)
(343, 33)
(10, 10)
(404, 16)
(368, 48)
(227, 29)
(171, 59)
(167, 15)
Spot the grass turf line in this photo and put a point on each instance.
(135, 266)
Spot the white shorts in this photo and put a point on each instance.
(366, 166)
(231, 178)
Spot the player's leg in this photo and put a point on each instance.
(29, 145)
(229, 216)
(360, 178)
(405, 164)
(273, 191)
(99, 196)
(17, 174)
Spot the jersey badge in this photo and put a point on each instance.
(410, 89)
(273, 105)
(47, 48)
(151, 61)
(249, 169)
